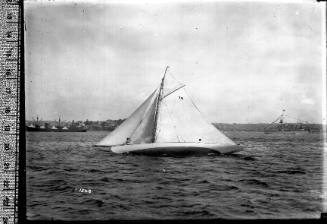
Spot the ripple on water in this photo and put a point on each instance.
(275, 176)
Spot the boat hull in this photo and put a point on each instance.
(176, 148)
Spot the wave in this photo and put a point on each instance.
(255, 182)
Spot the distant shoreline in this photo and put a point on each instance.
(263, 126)
(110, 125)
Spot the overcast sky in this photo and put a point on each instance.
(241, 62)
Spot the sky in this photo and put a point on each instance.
(242, 62)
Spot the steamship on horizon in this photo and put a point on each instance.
(46, 127)
(280, 126)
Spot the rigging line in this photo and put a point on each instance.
(157, 106)
(138, 125)
(274, 122)
(270, 125)
(183, 85)
(143, 117)
(155, 117)
(180, 83)
(179, 137)
(203, 117)
(170, 116)
(171, 74)
(284, 116)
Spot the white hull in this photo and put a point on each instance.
(176, 148)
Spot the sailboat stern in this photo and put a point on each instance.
(176, 148)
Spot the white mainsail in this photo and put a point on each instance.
(180, 121)
(166, 117)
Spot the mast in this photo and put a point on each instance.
(282, 117)
(157, 105)
(281, 121)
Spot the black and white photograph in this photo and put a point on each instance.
(174, 110)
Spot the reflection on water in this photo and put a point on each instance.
(276, 176)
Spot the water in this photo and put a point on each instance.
(276, 176)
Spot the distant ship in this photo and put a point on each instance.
(168, 121)
(46, 127)
(280, 126)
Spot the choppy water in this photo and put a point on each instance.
(277, 176)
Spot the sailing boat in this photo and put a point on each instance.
(168, 122)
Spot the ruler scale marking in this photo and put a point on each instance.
(10, 123)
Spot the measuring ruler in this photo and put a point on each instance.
(11, 86)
